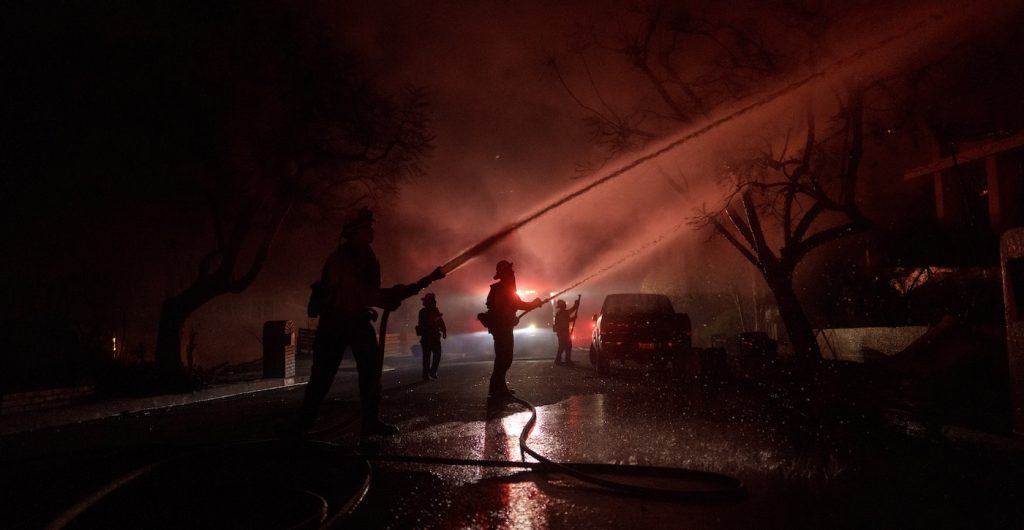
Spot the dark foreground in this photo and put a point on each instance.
(848, 462)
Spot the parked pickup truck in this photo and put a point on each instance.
(640, 327)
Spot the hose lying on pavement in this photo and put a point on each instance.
(718, 487)
(726, 488)
(721, 487)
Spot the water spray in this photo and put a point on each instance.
(719, 487)
(636, 252)
(481, 247)
(453, 264)
(843, 62)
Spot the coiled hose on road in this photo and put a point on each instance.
(723, 488)
(301, 506)
(321, 509)
(726, 488)
(316, 511)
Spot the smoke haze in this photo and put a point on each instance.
(509, 138)
(511, 85)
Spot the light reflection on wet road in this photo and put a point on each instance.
(835, 470)
(631, 419)
(800, 473)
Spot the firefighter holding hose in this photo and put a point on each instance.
(500, 319)
(563, 318)
(348, 289)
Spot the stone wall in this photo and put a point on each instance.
(846, 344)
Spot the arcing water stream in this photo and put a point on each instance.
(843, 64)
(632, 254)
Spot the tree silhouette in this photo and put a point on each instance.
(810, 195)
(690, 62)
(199, 127)
(288, 123)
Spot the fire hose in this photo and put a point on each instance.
(733, 489)
(411, 291)
(722, 488)
(317, 513)
(718, 487)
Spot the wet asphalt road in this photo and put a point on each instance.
(839, 468)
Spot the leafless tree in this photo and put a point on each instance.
(686, 62)
(293, 127)
(809, 195)
(694, 60)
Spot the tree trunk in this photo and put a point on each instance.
(177, 309)
(168, 337)
(798, 327)
(173, 316)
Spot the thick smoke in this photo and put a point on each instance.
(509, 142)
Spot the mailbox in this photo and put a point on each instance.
(278, 349)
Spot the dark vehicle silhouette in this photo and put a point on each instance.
(639, 327)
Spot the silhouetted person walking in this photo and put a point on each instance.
(431, 329)
(502, 304)
(563, 317)
(351, 288)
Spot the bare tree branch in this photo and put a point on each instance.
(806, 221)
(757, 233)
(263, 250)
(741, 226)
(827, 236)
(736, 243)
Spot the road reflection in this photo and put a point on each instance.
(514, 502)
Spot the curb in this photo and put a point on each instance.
(31, 421)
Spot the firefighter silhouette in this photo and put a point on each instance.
(563, 318)
(431, 329)
(350, 285)
(500, 319)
